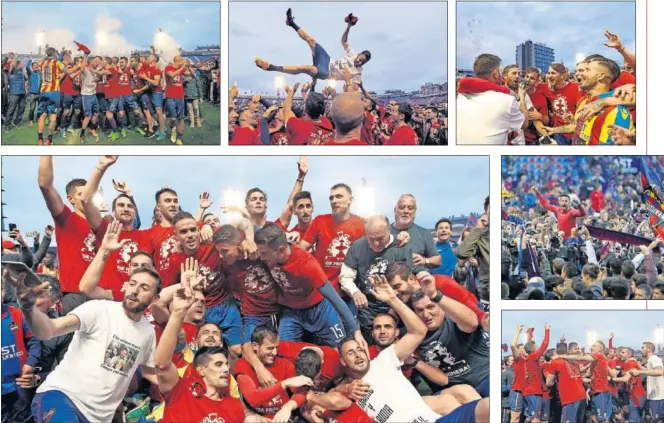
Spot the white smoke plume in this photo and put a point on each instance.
(108, 41)
(167, 47)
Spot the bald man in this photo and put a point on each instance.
(370, 256)
(348, 116)
(424, 250)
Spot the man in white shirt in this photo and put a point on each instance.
(111, 340)
(392, 398)
(486, 110)
(655, 381)
(322, 68)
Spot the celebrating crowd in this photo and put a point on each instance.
(569, 384)
(594, 104)
(338, 318)
(582, 227)
(351, 118)
(85, 95)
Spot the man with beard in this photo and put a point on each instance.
(269, 401)
(538, 115)
(322, 68)
(75, 239)
(310, 302)
(392, 398)
(303, 209)
(175, 97)
(127, 98)
(204, 396)
(124, 211)
(312, 129)
(247, 132)
(153, 77)
(445, 246)
(403, 134)
(512, 77)
(256, 201)
(332, 235)
(634, 384)
(654, 382)
(420, 242)
(565, 214)
(455, 340)
(570, 386)
(141, 92)
(70, 88)
(370, 256)
(83, 387)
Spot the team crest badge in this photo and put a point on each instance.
(13, 327)
(47, 415)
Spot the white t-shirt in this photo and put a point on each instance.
(348, 61)
(486, 118)
(102, 359)
(655, 384)
(392, 398)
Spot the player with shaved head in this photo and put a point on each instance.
(348, 115)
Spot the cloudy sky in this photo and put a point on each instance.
(191, 175)
(570, 28)
(408, 41)
(113, 27)
(631, 328)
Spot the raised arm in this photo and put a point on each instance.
(45, 179)
(613, 41)
(515, 341)
(287, 212)
(43, 327)
(288, 102)
(543, 201)
(89, 284)
(344, 37)
(535, 355)
(92, 213)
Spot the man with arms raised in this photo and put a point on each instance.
(565, 214)
(85, 386)
(310, 302)
(203, 396)
(570, 386)
(392, 398)
(76, 242)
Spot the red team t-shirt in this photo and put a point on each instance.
(635, 385)
(403, 135)
(546, 371)
(153, 71)
(111, 89)
(249, 385)
(331, 368)
(351, 142)
(69, 85)
(116, 269)
(533, 373)
(76, 248)
(187, 403)
(299, 279)
(174, 87)
(245, 136)
(304, 131)
(562, 104)
(124, 81)
(570, 386)
(332, 242)
(600, 377)
(253, 283)
(519, 374)
(280, 137)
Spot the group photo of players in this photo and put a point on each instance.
(105, 74)
(582, 227)
(533, 73)
(244, 289)
(571, 366)
(358, 74)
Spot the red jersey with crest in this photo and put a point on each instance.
(403, 135)
(152, 72)
(69, 85)
(600, 374)
(570, 384)
(519, 374)
(332, 241)
(187, 403)
(76, 248)
(562, 103)
(124, 81)
(304, 131)
(111, 83)
(254, 285)
(174, 87)
(299, 279)
(245, 136)
(265, 401)
(331, 368)
(635, 384)
(533, 373)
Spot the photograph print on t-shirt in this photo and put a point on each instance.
(120, 356)
(437, 355)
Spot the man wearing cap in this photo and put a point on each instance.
(16, 249)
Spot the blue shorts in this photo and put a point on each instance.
(90, 105)
(462, 414)
(574, 412)
(48, 103)
(560, 139)
(144, 100)
(656, 410)
(157, 99)
(129, 101)
(114, 105)
(483, 388)
(546, 410)
(103, 104)
(175, 108)
(249, 323)
(56, 407)
(227, 316)
(516, 401)
(603, 406)
(322, 62)
(69, 100)
(321, 320)
(533, 406)
(635, 411)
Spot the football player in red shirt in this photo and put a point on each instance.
(310, 302)
(175, 96)
(152, 76)
(565, 214)
(303, 209)
(347, 113)
(204, 395)
(312, 129)
(533, 390)
(112, 94)
(403, 134)
(637, 394)
(127, 98)
(70, 88)
(539, 115)
(516, 394)
(141, 91)
(245, 132)
(332, 235)
(570, 386)
(76, 241)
